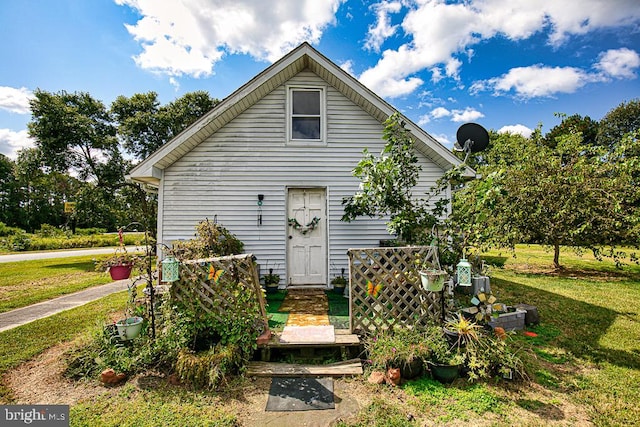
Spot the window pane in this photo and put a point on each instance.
(305, 128)
(306, 102)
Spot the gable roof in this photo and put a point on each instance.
(303, 57)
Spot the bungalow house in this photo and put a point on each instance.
(272, 163)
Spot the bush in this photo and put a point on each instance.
(212, 240)
(9, 231)
(47, 230)
(19, 242)
(90, 231)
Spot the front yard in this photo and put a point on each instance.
(584, 364)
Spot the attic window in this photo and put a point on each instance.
(306, 114)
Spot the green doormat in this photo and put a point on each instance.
(300, 394)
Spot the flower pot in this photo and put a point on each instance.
(129, 328)
(120, 272)
(444, 373)
(338, 289)
(412, 369)
(433, 281)
(272, 288)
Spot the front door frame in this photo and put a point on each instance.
(325, 243)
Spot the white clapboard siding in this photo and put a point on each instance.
(222, 177)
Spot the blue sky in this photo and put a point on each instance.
(506, 64)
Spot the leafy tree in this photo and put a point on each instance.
(619, 122)
(74, 131)
(566, 195)
(386, 188)
(145, 125)
(575, 123)
(9, 194)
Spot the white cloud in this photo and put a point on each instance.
(618, 63)
(467, 115)
(348, 66)
(382, 29)
(11, 142)
(516, 129)
(15, 100)
(536, 81)
(441, 30)
(440, 112)
(443, 139)
(190, 36)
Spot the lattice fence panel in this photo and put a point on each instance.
(385, 289)
(217, 285)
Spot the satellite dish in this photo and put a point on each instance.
(472, 137)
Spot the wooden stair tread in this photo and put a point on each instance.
(342, 338)
(272, 369)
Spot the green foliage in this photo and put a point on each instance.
(619, 122)
(397, 348)
(386, 187)
(144, 125)
(92, 231)
(9, 231)
(208, 369)
(75, 131)
(570, 194)
(47, 230)
(211, 240)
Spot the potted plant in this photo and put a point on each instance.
(431, 275)
(444, 360)
(339, 283)
(460, 331)
(400, 347)
(130, 327)
(271, 281)
(121, 263)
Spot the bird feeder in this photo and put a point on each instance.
(464, 272)
(170, 269)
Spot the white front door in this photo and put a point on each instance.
(307, 236)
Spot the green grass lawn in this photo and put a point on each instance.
(28, 282)
(584, 364)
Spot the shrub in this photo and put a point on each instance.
(47, 230)
(207, 369)
(90, 231)
(211, 240)
(9, 231)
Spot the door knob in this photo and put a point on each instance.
(290, 237)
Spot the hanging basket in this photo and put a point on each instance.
(433, 281)
(120, 272)
(129, 328)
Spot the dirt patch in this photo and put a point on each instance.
(40, 381)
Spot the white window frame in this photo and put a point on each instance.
(323, 115)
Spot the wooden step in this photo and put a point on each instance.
(271, 369)
(343, 339)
